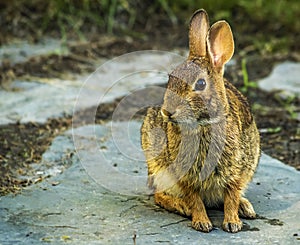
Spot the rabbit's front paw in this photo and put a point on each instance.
(204, 226)
(232, 226)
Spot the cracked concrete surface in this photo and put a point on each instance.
(75, 208)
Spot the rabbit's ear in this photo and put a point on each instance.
(220, 44)
(199, 25)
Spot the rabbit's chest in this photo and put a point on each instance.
(211, 189)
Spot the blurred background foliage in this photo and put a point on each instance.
(260, 25)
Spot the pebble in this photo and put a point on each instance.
(285, 79)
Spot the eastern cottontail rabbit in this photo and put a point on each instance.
(202, 146)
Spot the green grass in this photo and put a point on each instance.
(288, 104)
(117, 16)
(246, 83)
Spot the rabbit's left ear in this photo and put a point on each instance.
(220, 44)
(199, 25)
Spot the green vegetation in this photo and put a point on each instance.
(247, 84)
(261, 25)
(288, 104)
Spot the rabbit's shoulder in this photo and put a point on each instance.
(238, 104)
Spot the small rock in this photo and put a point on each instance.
(284, 78)
(55, 183)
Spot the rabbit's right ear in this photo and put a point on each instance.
(220, 44)
(199, 25)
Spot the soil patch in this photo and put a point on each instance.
(22, 145)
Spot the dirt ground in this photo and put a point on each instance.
(23, 144)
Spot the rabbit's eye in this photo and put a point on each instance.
(200, 85)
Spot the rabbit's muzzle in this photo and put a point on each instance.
(179, 115)
(178, 110)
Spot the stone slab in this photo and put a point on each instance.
(42, 99)
(20, 51)
(78, 207)
(285, 78)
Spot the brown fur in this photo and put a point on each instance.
(202, 147)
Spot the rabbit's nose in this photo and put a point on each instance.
(165, 113)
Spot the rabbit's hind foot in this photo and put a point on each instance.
(196, 209)
(246, 209)
(172, 204)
